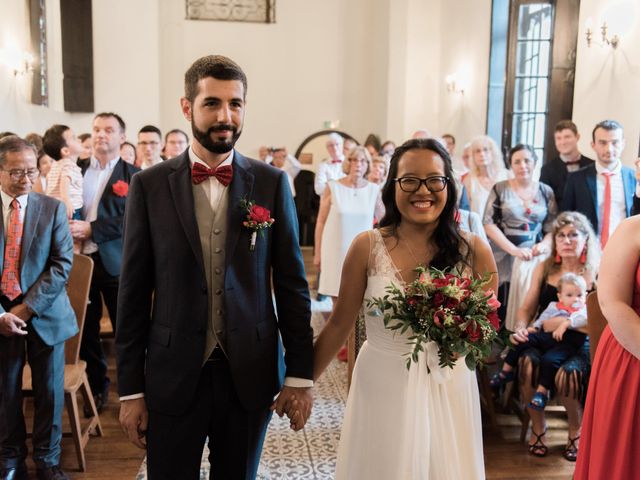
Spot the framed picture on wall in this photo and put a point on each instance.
(257, 11)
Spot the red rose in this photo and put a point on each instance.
(121, 188)
(451, 303)
(259, 214)
(438, 299)
(474, 332)
(439, 317)
(463, 283)
(440, 282)
(494, 319)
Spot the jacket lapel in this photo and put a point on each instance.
(181, 191)
(32, 214)
(116, 174)
(241, 187)
(591, 176)
(629, 185)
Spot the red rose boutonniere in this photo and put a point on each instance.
(258, 220)
(121, 188)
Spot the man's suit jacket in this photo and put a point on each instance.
(160, 347)
(555, 173)
(106, 230)
(580, 193)
(45, 262)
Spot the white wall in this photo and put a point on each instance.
(607, 82)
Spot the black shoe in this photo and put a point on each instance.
(51, 473)
(19, 472)
(99, 402)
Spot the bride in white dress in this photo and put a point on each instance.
(406, 424)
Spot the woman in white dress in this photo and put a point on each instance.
(407, 424)
(485, 169)
(347, 208)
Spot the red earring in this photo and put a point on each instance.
(557, 260)
(583, 255)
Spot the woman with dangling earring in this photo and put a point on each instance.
(574, 249)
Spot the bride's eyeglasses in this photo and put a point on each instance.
(434, 184)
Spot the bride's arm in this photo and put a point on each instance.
(345, 311)
(483, 262)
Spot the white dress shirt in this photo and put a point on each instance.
(618, 210)
(6, 208)
(94, 183)
(327, 171)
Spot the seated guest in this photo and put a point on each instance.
(555, 172)
(128, 153)
(574, 249)
(518, 214)
(603, 191)
(44, 167)
(150, 146)
(36, 316)
(486, 168)
(175, 142)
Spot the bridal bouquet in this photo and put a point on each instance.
(443, 307)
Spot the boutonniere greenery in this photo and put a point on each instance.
(258, 219)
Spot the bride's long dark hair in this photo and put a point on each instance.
(452, 248)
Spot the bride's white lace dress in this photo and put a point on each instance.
(407, 424)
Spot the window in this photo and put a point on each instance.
(38, 25)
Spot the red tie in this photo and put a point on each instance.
(606, 215)
(10, 284)
(200, 172)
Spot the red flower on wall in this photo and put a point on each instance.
(121, 188)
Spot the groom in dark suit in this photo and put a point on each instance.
(199, 339)
(105, 191)
(35, 314)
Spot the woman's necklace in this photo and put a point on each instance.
(411, 252)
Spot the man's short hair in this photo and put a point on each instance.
(176, 130)
(450, 137)
(123, 126)
(216, 66)
(83, 136)
(13, 144)
(151, 129)
(7, 134)
(566, 125)
(53, 141)
(606, 125)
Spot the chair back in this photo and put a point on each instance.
(595, 323)
(78, 291)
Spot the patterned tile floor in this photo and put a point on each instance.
(311, 453)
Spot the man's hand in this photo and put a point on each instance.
(521, 335)
(80, 230)
(296, 403)
(134, 419)
(22, 312)
(11, 325)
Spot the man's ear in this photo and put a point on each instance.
(64, 152)
(185, 105)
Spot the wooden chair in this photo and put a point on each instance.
(595, 323)
(75, 375)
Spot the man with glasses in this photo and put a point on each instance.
(35, 314)
(105, 189)
(150, 146)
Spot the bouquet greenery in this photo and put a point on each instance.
(444, 307)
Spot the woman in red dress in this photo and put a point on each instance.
(610, 445)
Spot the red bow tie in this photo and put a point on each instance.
(336, 161)
(200, 172)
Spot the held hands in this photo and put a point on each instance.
(134, 419)
(296, 402)
(80, 229)
(523, 253)
(521, 335)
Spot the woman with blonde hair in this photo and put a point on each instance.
(486, 168)
(378, 170)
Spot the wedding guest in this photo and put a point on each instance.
(6, 134)
(435, 430)
(388, 148)
(574, 249)
(611, 422)
(176, 141)
(421, 133)
(378, 170)
(330, 168)
(555, 172)
(347, 208)
(44, 167)
(372, 144)
(87, 145)
(279, 160)
(288, 162)
(603, 191)
(36, 316)
(128, 153)
(466, 161)
(150, 146)
(347, 145)
(486, 169)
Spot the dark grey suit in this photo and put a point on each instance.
(45, 263)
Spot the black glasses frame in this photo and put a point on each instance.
(439, 178)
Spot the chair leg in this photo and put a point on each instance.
(486, 396)
(87, 395)
(76, 430)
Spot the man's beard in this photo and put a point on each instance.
(204, 137)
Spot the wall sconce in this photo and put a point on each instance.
(19, 62)
(453, 86)
(606, 40)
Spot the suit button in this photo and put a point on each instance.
(217, 231)
(218, 271)
(219, 291)
(217, 250)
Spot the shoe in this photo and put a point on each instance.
(537, 448)
(538, 401)
(500, 378)
(19, 472)
(571, 450)
(51, 473)
(99, 402)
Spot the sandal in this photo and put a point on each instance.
(538, 401)
(571, 450)
(538, 448)
(500, 378)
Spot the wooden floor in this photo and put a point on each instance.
(113, 457)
